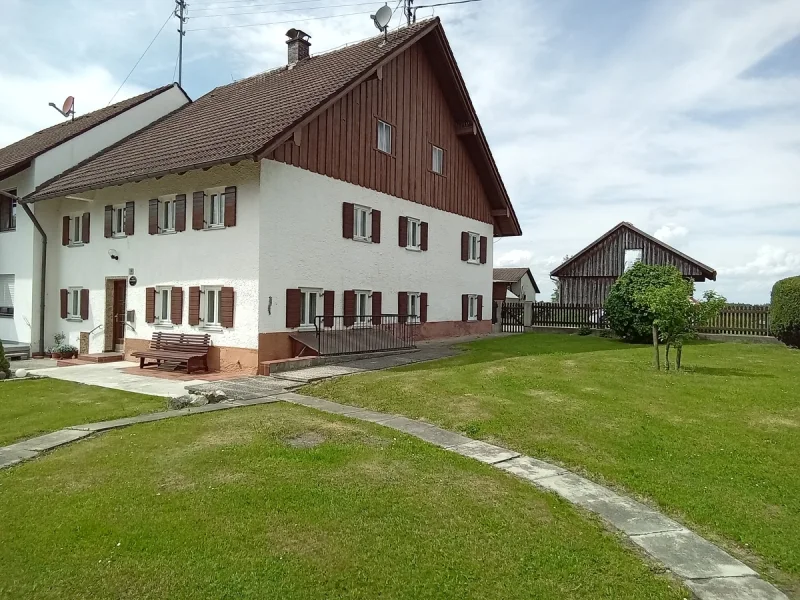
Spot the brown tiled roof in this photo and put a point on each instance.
(512, 275)
(232, 122)
(18, 155)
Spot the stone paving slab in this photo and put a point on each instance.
(735, 588)
(104, 425)
(690, 556)
(486, 453)
(370, 415)
(425, 431)
(530, 468)
(51, 440)
(11, 455)
(311, 374)
(246, 388)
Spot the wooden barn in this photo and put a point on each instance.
(586, 277)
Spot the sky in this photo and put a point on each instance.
(679, 116)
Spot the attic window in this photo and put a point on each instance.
(632, 256)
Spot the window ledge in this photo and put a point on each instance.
(306, 328)
(75, 319)
(6, 316)
(164, 325)
(363, 240)
(75, 244)
(212, 328)
(474, 261)
(167, 232)
(413, 248)
(8, 230)
(119, 236)
(213, 227)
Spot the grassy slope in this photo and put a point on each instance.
(717, 445)
(221, 506)
(28, 408)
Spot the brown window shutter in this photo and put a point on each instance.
(130, 217)
(176, 308)
(150, 305)
(423, 307)
(465, 307)
(293, 316)
(230, 206)
(484, 249)
(198, 210)
(84, 304)
(402, 307)
(402, 232)
(464, 245)
(377, 299)
(226, 306)
(64, 299)
(180, 212)
(328, 303)
(480, 308)
(65, 231)
(347, 220)
(376, 226)
(423, 236)
(152, 218)
(85, 227)
(349, 308)
(107, 221)
(194, 306)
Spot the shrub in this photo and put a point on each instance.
(784, 311)
(4, 366)
(628, 317)
(585, 330)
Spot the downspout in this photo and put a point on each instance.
(36, 224)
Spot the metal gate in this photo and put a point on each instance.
(512, 317)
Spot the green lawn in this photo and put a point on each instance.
(226, 505)
(29, 408)
(717, 446)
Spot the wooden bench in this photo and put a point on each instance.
(181, 348)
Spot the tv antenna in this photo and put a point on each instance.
(381, 20)
(68, 108)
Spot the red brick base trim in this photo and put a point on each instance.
(226, 359)
(448, 329)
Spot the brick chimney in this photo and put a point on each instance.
(298, 45)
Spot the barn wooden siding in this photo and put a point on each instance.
(584, 290)
(342, 142)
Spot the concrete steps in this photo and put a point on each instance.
(88, 359)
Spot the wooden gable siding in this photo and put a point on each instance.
(342, 142)
(607, 259)
(584, 290)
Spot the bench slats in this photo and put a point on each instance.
(183, 348)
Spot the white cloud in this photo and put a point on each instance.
(513, 258)
(671, 231)
(769, 261)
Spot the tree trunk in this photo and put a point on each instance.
(678, 358)
(656, 353)
(666, 358)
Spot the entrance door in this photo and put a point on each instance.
(118, 310)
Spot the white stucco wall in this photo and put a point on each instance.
(226, 257)
(70, 153)
(524, 287)
(19, 257)
(302, 246)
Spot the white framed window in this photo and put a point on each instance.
(384, 137)
(74, 304)
(362, 307)
(437, 163)
(362, 223)
(414, 234)
(309, 306)
(7, 295)
(8, 212)
(166, 215)
(632, 256)
(118, 220)
(472, 313)
(474, 254)
(414, 300)
(210, 308)
(215, 209)
(76, 230)
(164, 305)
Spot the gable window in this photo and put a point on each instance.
(163, 305)
(413, 307)
(215, 209)
(210, 309)
(361, 223)
(6, 295)
(384, 137)
(74, 304)
(8, 212)
(474, 254)
(362, 310)
(166, 215)
(472, 313)
(414, 237)
(309, 303)
(437, 165)
(632, 256)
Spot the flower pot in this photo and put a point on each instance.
(56, 355)
(74, 354)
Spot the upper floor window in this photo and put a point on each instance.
(8, 212)
(414, 236)
(437, 165)
(78, 229)
(118, 220)
(361, 223)
(474, 254)
(632, 256)
(166, 217)
(6, 295)
(215, 209)
(384, 137)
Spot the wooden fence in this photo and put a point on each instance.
(740, 319)
(549, 314)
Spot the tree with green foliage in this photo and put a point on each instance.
(784, 311)
(629, 318)
(4, 366)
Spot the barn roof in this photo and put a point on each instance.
(513, 275)
(707, 271)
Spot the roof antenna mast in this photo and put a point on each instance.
(180, 7)
(68, 108)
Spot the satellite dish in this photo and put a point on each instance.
(382, 17)
(69, 103)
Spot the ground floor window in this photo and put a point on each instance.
(163, 305)
(74, 304)
(6, 295)
(413, 307)
(362, 304)
(211, 297)
(309, 303)
(473, 308)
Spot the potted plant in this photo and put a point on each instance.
(58, 349)
(71, 352)
(48, 352)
